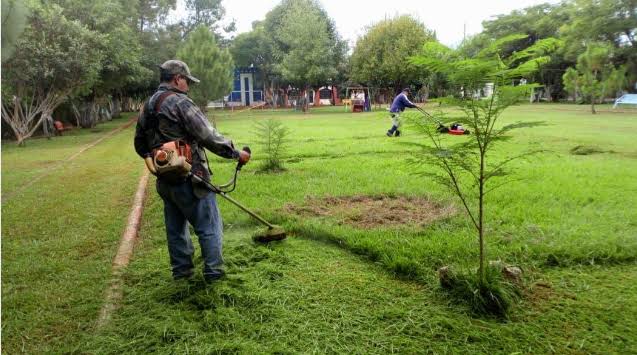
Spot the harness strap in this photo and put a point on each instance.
(161, 99)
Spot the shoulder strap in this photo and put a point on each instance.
(161, 99)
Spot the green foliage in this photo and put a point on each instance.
(306, 46)
(209, 63)
(14, 18)
(207, 13)
(120, 45)
(595, 77)
(380, 56)
(572, 82)
(610, 21)
(54, 54)
(55, 58)
(272, 136)
(151, 14)
(462, 166)
(578, 23)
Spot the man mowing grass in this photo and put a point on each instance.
(397, 107)
(171, 135)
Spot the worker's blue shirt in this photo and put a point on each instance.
(400, 102)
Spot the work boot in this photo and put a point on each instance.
(213, 278)
(397, 133)
(389, 134)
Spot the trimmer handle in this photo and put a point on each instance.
(241, 164)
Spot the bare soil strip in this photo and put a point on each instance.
(8, 196)
(124, 253)
(370, 212)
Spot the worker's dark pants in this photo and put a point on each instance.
(180, 207)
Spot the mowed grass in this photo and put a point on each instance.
(570, 224)
(59, 235)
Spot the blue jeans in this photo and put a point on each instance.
(180, 207)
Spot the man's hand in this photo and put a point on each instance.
(244, 157)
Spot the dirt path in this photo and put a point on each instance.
(124, 252)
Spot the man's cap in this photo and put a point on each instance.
(177, 67)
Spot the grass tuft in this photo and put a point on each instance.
(586, 150)
(494, 296)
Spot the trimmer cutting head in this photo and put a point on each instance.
(269, 235)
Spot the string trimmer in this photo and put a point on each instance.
(272, 233)
(455, 128)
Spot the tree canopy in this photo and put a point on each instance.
(380, 56)
(209, 63)
(55, 58)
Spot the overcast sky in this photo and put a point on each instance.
(447, 17)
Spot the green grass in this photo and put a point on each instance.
(570, 223)
(60, 235)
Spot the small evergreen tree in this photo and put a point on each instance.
(272, 137)
(462, 166)
(209, 63)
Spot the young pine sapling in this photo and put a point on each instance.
(464, 164)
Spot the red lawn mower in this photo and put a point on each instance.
(455, 129)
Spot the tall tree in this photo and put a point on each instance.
(209, 63)
(537, 22)
(380, 56)
(55, 58)
(206, 13)
(306, 47)
(596, 77)
(121, 64)
(610, 21)
(151, 13)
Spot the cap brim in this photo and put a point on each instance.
(192, 78)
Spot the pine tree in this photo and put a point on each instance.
(209, 63)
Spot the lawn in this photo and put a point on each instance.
(568, 221)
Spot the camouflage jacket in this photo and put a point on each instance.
(178, 118)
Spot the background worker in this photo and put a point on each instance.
(401, 101)
(171, 116)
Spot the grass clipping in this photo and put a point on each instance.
(370, 212)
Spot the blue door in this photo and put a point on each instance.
(246, 87)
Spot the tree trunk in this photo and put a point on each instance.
(25, 116)
(481, 220)
(274, 93)
(87, 114)
(116, 106)
(47, 124)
